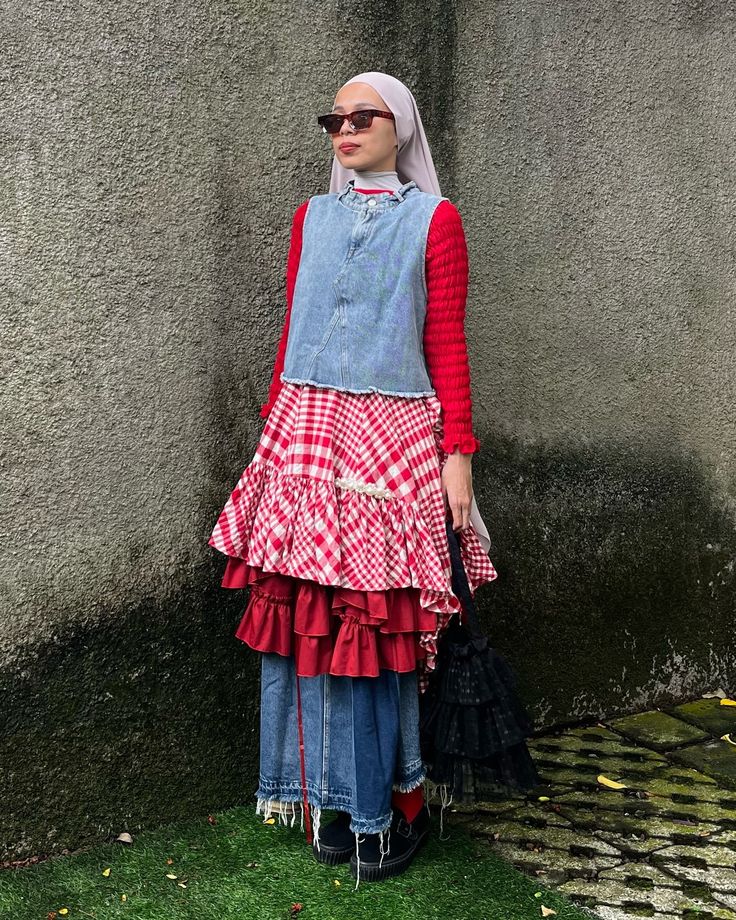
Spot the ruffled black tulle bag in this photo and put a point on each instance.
(473, 725)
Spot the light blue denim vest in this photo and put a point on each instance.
(360, 298)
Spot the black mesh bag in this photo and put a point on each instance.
(472, 724)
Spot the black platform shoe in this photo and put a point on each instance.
(336, 841)
(402, 843)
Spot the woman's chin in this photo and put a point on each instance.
(349, 161)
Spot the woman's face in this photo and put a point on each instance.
(371, 148)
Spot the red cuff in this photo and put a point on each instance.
(467, 445)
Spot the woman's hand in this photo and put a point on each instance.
(457, 488)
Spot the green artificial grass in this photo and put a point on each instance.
(239, 867)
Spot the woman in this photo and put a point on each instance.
(338, 525)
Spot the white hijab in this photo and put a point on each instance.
(413, 157)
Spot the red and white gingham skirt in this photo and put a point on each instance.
(338, 526)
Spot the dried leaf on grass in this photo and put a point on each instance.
(610, 783)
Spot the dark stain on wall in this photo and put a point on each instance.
(144, 718)
(617, 566)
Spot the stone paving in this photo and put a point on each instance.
(663, 847)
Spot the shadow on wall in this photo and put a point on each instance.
(616, 593)
(616, 579)
(144, 716)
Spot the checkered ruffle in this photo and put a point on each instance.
(344, 489)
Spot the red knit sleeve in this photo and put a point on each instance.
(445, 348)
(292, 267)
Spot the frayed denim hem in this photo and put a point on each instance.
(415, 777)
(332, 386)
(270, 805)
(292, 792)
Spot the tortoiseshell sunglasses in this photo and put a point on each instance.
(332, 123)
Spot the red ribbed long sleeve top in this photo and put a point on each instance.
(445, 348)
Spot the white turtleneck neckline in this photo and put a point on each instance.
(384, 179)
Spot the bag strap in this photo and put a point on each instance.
(460, 581)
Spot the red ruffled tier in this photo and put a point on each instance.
(329, 629)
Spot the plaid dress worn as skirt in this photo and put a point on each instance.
(338, 527)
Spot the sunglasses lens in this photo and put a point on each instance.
(330, 123)
(362, 119)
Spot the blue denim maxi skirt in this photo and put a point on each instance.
(361, 742)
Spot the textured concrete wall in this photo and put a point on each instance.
(594, 163)
(152, 157)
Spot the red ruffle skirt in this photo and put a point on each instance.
(329, 629)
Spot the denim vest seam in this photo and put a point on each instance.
(345, 377)
(384, 203)
(424, 249)
(326, 338)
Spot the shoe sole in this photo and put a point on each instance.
(377, 873)
(330, 856)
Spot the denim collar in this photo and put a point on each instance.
(358, 201)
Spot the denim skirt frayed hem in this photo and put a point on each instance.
(361, 742)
